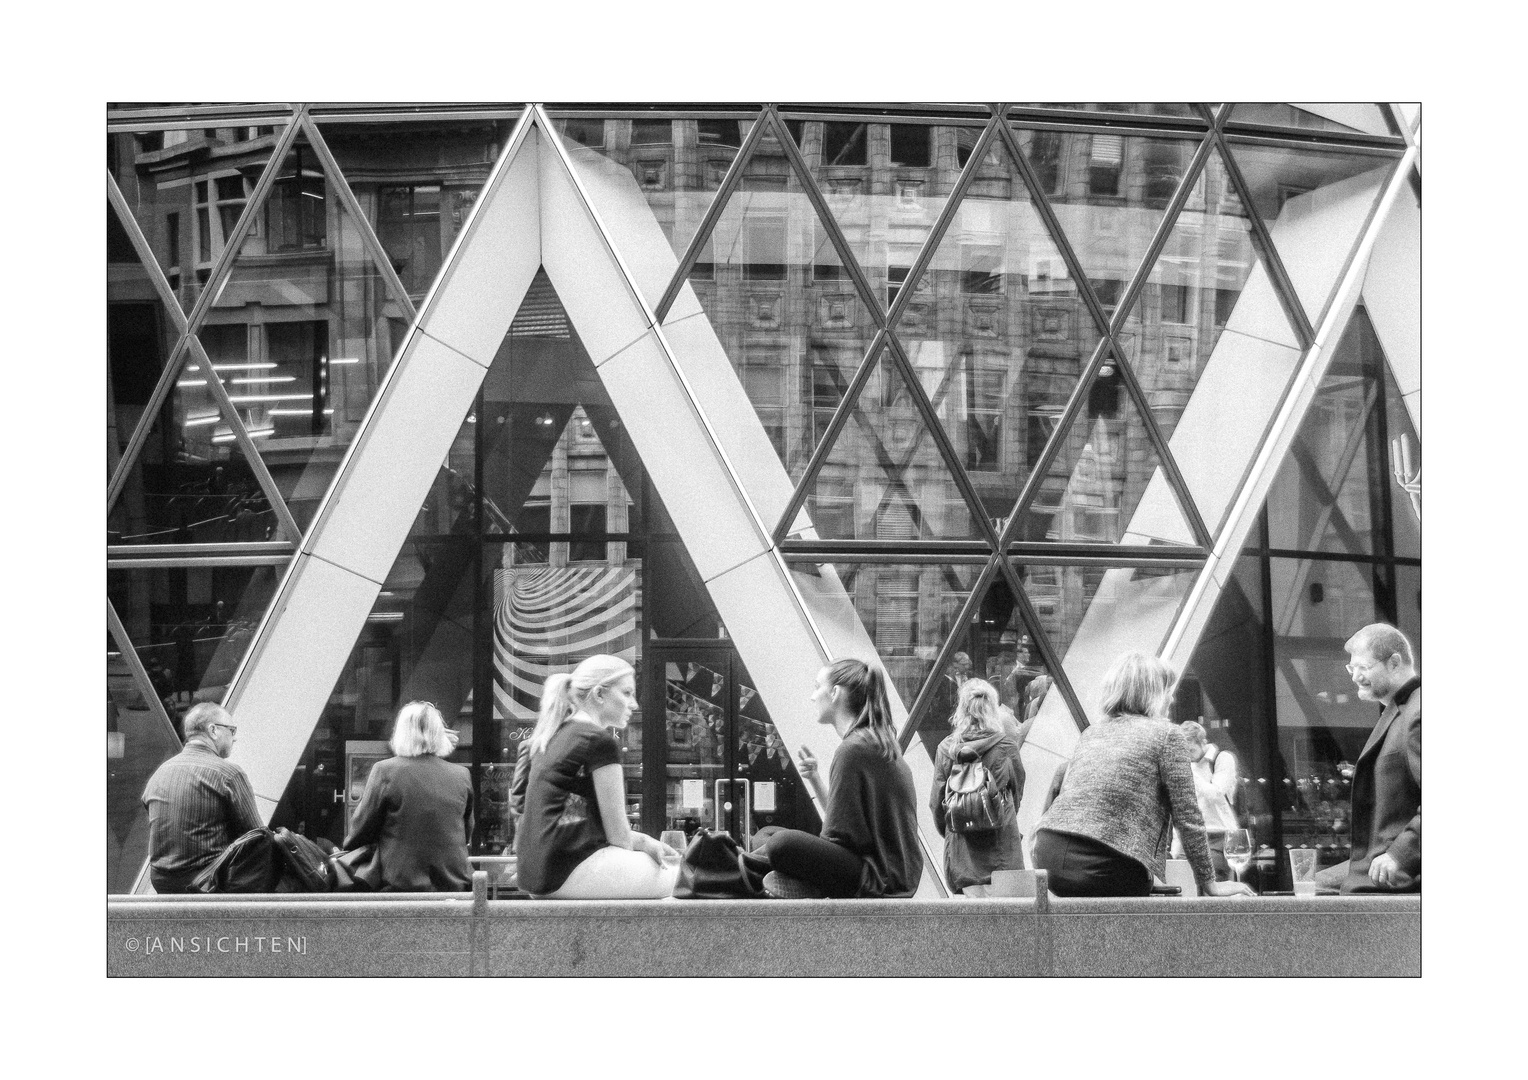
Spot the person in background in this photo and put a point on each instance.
(517, 786)
(417, 808)
(1214, 784)
(575, 842)
(970, 857)
(1387, 777)
(198, 802)
(1106, 832)
(869, 842)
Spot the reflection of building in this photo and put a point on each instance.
(1069, 347)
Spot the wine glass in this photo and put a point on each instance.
(1238, 850)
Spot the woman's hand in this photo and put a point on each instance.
(806, 764)
(1229, 888)
(656, 850)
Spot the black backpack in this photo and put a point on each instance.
(270, 861)
(973, 803)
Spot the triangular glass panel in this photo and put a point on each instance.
(190, 482)
(1109, 193)
(795, 330)
(140, 334)
(1207, 300)
(907, 610)
(541, 543)
(999, 646)
(1148, 108)
(885, 183)
(1315, 203)
(1341, 116)
(884, 478)
(191, 625)
(1106, 484)
(1339, 484)
(303, 329)
(997, 333)
(417, 182)
(1093, 614)
(137, 742)
(186, 188)
(672, 166)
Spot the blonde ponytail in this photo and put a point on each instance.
(556, 707)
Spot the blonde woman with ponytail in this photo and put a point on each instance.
(869, 842)
(980, 735)
(574, 841)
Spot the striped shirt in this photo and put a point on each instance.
(198, 804)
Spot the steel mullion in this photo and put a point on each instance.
(1115, 121)
(1263, 241)
(241, 436)
(920, 706)
(187, 562)
(223, 266)
(830, 434)
(1205, 111)
(724, 191)
(877, 306)
(942, 442)
(929, 112)
(1042, 641)
(942, 223)
(118, 202)
(1057, 233)
(1360, 142)
(1324, 492)
(836, 548)
(257, 547)
(1343, 556)
(352, 205)
(172, 371)
(1165, 458)
(1053, 446)
(795, 557)
(1159, 240)
(129, 651)
(1159, 555)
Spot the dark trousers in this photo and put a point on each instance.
(1081, 866)
(833, 869)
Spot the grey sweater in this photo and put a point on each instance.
(1128, 781)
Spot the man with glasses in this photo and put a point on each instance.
(198, 802)
(1387, 778)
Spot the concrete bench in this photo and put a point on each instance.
(466, 934)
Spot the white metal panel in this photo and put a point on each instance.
(1393, 296)
(664, 426)
(313, 627)
(376, 499)
(475, 300)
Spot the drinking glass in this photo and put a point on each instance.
(674, 838)
(1238, 850)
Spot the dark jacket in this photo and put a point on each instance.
(970, 858)
(1387, 796)
(418, 810)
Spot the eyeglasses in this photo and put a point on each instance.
(1354, 669)
(230, 728)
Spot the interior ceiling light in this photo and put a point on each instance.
(266, 366)
(345, 360)
(249, 398)
(263, 379)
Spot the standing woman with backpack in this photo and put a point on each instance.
(869, 842)
(978, 785)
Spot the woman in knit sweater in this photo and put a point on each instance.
(1128, 783)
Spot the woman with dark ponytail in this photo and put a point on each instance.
(869, 841)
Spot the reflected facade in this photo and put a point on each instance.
(1012, 369)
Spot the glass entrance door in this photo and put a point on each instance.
(723, 763)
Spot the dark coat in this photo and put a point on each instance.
(418, 810)
(1387, 796)
(970, 858)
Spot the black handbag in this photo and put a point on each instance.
(251, 864)
(713, 869)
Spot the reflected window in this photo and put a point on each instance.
(844, 144)
(1045, 157)
(1106, 158)
(651, 132)
(408, 226)
(295, 215)
(219, 202)
(910, 145)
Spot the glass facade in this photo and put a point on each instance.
(992, 358)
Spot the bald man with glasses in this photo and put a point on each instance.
(198, 802)
(1387, 778)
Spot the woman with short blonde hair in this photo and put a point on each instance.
(575, 842)
(417, 809)
(1129, 780)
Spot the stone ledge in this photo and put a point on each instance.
(431, 934)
